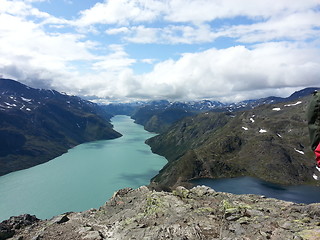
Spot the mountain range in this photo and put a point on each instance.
(158, 116)
(38, 125)
(265, 138)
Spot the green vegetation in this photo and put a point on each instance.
(270, 142)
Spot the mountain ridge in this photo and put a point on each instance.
(269, 142)
(153, 115)
(38, 125)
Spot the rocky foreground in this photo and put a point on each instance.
(199, 213)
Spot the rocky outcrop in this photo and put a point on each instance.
(9, 227)
(198, 213)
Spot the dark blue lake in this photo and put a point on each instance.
(249, 185)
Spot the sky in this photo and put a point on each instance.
(132, 50)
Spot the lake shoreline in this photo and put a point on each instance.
(249, 185)
(68, 182)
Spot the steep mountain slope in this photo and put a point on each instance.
(37, 125)
(269, 142)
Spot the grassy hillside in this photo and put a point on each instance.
(270, 142)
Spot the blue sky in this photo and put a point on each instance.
(128, 50)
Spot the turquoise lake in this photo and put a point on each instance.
(85, 177)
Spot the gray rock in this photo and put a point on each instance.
(198, 213)
(93, 235)
(60, 219)
(85, 229)
(8, 227)
(5, 231)
(253, 212)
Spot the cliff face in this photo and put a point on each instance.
(270, 142)
(199, 213)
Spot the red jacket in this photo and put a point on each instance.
(317, 152)
(313, 116)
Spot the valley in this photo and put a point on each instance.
(263, 139)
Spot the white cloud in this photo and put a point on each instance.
(235, 73)
(148, 60)
(20, 8)
(294, 21)
(141, 34)
(297, 26)
(114, 31)
(63, 61)
(172, 34)
(117, 60)
(50, 57)
(128, 11)
(121, 12)
(188, 10)
(46, 59)
(188, 34)
(26, 38)
(24, 9)
(39, 58)
(285, 19)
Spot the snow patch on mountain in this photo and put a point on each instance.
(26, 99)
(299, 151)
(293, 104)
